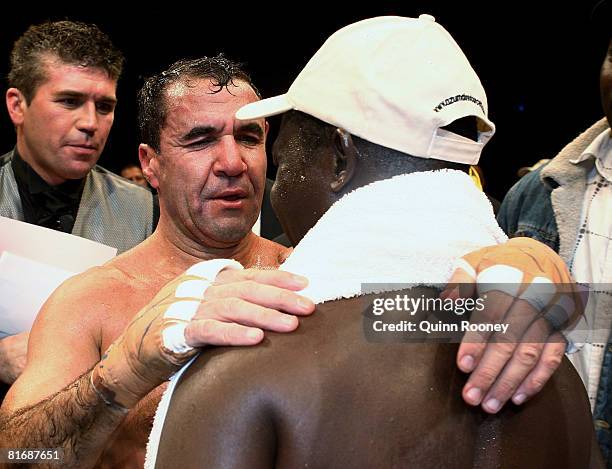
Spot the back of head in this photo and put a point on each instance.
(71, 42)
(152, 107)
(392, 81)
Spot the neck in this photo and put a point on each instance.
(26, 155)
(187, 250)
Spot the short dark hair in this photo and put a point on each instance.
(72, 42)
(152, 106)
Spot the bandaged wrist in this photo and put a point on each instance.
(105, 394)
(153, 345)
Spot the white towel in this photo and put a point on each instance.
(160, 417)
(409, 229)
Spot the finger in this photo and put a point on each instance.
(248, 314)
(523, 361)
(473, 344)
(202, 332)
(549, 361)
(277, 278)
(260, 294)
(488, 369)
(500, 347)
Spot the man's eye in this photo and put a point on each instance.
(69, 102)
(250, 139)
(105, 108)
(200, 143)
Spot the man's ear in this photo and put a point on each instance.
(149, 164)
(345, 155)
(16, 105)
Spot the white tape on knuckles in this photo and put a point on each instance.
(174, 338)
(192, 289)
(560, 312)
(174, 335)
(500, 277)
(539, 292)
(466, 266)
(182, 310)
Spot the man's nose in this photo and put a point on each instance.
(229, 161)
(87, 120)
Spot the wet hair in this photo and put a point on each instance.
(152, 104)
(71, 42)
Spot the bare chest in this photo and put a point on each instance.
(121, 309)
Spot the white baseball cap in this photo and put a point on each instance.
(393, 81)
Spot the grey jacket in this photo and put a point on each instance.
(112, 210)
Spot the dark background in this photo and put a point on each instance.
(538, 61)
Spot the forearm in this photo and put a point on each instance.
(75, 420)
(13, 353)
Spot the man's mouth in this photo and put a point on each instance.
(83, 147)
(231, 195)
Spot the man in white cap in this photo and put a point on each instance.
(374, 147)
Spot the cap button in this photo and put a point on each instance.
(427, 18)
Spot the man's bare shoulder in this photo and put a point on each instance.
(267, 254)
(96, 282)
(125, 275)
(108, 292)
(329, 344)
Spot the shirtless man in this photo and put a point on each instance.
(361, 204)
(209, 170)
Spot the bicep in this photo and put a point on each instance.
(62, 346)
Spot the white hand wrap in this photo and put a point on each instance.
(500, 277)
(539, 293)
(178, 315)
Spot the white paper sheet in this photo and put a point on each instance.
(34, 261)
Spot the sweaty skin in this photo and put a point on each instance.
(91, 311)
(327, 397)
(209, 171)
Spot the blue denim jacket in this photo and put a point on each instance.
(532, 208)
(527, 211)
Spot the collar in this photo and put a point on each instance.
(560, 171)
(406, 230)
(600, 150)
(29, 180)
